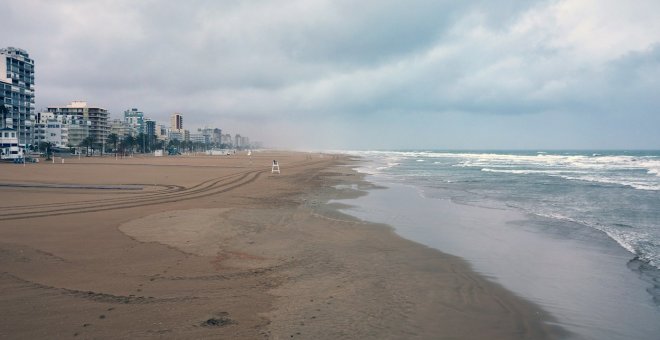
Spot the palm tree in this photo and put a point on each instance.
(113, 139)
(142, 141)
(185, 145)
(47, 147)
(158, 144)
(129, 142)
(87, 143)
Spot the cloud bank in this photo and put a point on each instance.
(372, 74)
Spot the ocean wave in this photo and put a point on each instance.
(529, 171)
(635, 171)
(388, 166)
(630, 240)
(595, 161)
(610, 176)
(633, 183)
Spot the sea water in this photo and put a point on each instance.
(577, 232)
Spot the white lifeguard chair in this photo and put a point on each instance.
(275, 168)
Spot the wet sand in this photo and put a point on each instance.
(217, 247)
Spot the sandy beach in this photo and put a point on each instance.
(218, 247)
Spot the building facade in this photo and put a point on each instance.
(176, 122)
(120, 128)
(161, 132)
(52, 131)
(134, 119)
(226, 140)
(175, 135)
(150, 128)
(198, 137)
(97, 117)
(78, 131)
(9, 149)
(216, 137)
(17, 92)
(60, 130)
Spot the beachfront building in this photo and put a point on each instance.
(150, 128)
(120, 128)
(135, 119)
(207, 133)
(52, 131)
(176, 122)
(175, 135)
(60, 130)
(216, 136)
(226, 140)
(9, 149)
(241, 141)
(198, 137)
(17, 92)
(161, 132)
(78, 130)
(98, 118)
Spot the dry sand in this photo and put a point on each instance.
(217, 247)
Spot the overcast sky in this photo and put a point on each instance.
(359, 74)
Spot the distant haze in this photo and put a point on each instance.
(359, 74)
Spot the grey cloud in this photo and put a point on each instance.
(335, 63)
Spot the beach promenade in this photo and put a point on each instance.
(218, 247)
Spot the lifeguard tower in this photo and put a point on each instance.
(275, 168)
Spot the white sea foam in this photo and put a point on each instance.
(653, 167)
(591, 168)
(632, 171)
(529, 171)
(629, 182)
(388, 166)
(627, 239)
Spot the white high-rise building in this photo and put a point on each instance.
(17, 92)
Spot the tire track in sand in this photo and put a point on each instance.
(203, 189)
(215, 187)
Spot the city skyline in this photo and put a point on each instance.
(316, 74)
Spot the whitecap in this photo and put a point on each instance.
(624, 182)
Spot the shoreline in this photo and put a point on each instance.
(583, 278)
(221, 248)
(533, 321)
